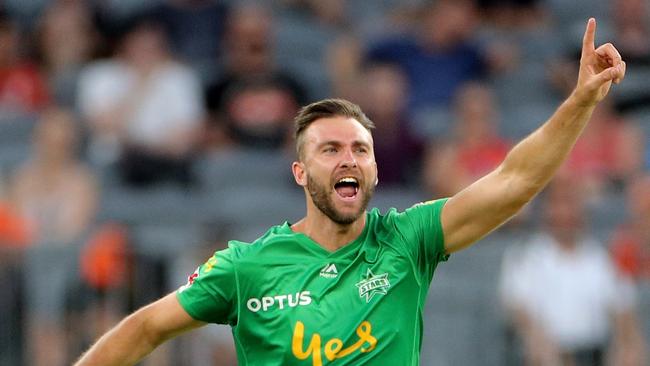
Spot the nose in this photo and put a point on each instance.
(348, 160)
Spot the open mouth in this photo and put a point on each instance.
(347, 188)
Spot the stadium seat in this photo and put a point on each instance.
(15, 140)
(244, 168)
(164, 204)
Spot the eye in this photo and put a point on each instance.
(329, 149)
(362, 150)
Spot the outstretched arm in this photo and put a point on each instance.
(492, 200)
(140, 333)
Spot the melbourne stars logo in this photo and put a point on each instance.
(372, 285)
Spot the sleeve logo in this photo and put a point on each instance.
(190, 280)
(209, 265)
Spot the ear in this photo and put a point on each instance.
(299, 173)
(376, 175)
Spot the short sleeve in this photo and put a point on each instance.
(421, 229)
(210, 293)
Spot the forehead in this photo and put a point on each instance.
(339, 129)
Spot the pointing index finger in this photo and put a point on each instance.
(588, 41)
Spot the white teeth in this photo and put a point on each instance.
(348, 180)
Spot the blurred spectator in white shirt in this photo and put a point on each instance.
(143, 108)
(563, 295)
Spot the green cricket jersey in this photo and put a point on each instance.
(291, 302)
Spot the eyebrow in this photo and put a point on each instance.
(339, 143)
(329, 142)
(361, 143)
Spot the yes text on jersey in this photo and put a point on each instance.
(333, 349)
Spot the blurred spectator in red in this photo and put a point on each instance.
(562, 293)
(609, 151)
(22, 87)
(475, 148)
(13, 229)
(13, 241)
(66, 40)
(14, 232)
(254, 102)
(14, 238)
(53, 190)
(383, 97)
(631, 241)
(143, 108)
(440, 56)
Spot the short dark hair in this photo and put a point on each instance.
(324, 109)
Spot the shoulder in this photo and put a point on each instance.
(177, 70)
(177, 76)
(26, 70)
(104, 78)
(240, 250)
(426, 209)
(427, 213)
(538, 247)
(103, 69)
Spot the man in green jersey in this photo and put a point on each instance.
(344, 286)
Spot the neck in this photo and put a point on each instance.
(568, 241)
(328, 233)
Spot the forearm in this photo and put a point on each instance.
(628, 346)
(125, 344)
(138, 334)
(489, 202)
(532, 162)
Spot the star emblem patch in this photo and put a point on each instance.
(373, 285)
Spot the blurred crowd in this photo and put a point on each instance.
(136, 137)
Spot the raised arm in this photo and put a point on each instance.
(492, 200)
(140, 333)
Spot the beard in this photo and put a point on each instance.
(322, 198)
